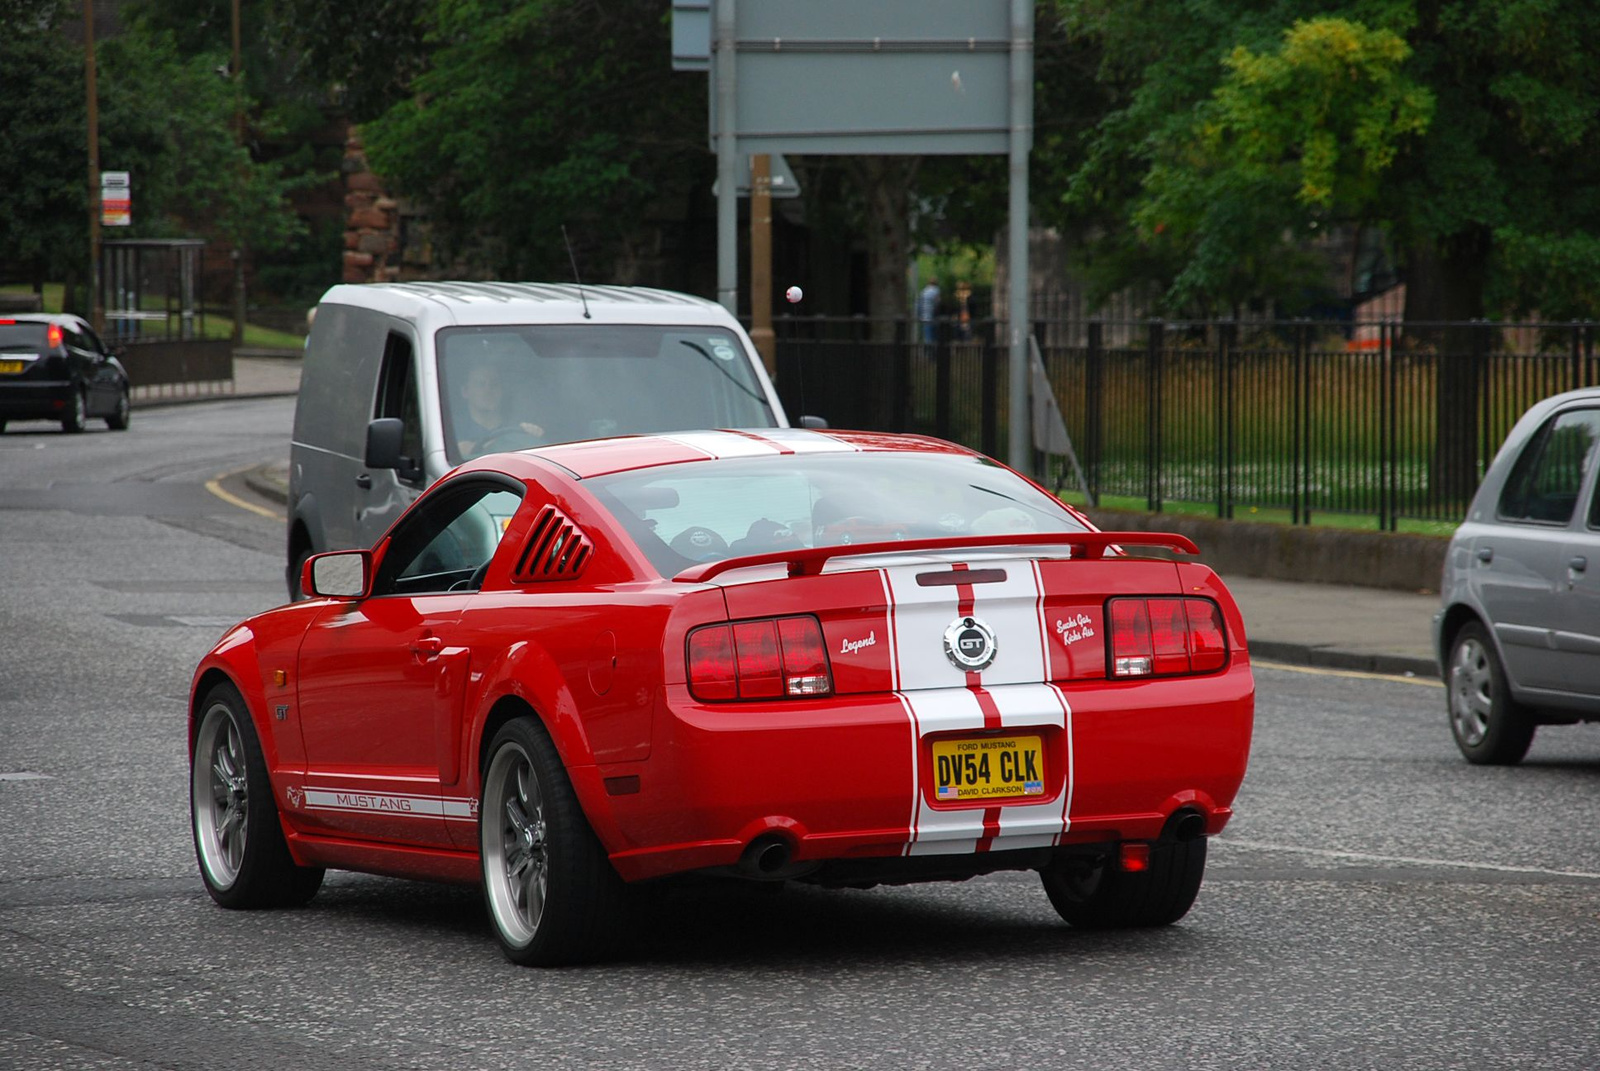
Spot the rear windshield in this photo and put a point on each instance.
(29, 337)
(706, 511)
(509, 388)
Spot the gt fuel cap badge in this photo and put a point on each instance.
(969, 644)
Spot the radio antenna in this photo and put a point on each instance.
(575, 279)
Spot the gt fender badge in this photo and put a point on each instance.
(969, 644)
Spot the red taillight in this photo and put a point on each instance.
(1159, 637)
(767, 658)
(52, 335)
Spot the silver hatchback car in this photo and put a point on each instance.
(1518, 630)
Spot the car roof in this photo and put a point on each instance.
(601, 457)
(65, 319)
(432, 305)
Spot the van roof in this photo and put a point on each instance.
(442, 304)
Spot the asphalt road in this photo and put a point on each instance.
(1376, 904)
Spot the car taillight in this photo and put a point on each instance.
(768, 658)
(1160, 637)
(53, 335)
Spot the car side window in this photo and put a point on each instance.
(397, 394)
(1544, 483)
(447, 542)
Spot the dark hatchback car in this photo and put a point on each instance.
(54, 367)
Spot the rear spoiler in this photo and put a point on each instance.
(808, 561)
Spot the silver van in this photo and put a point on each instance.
(404, 381)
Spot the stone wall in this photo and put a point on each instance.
(372, 226)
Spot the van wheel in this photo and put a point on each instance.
(297, 560)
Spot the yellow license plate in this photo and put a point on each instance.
(10, 366)
(988, 767)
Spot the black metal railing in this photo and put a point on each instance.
(1385, 420)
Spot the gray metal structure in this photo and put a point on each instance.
(874, 77)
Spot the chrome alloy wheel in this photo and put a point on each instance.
(515, 833)
(1471, 692)
(221, 796)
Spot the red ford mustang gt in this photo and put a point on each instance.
(842, 658)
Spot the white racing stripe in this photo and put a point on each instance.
(720, 444)
(806, 441)
(938, 700)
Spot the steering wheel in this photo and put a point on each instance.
(698, 543)
(475, 581)
(516, 438)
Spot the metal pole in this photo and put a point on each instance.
(727, 163)
(238, 137)
(92, 279)
(1017, 454)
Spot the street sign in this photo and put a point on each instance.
(691, 35)
(116, 199)
(871, 77)
(783, 183)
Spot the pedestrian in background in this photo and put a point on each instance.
(927, 309)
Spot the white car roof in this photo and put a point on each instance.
(432, 305)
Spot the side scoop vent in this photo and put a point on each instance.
(556, 550)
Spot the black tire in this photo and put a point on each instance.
(297, 561)
(120, 418)
(1490, 728)
(553, 896)
(1098, 895)
(77, 416)
(238, 842)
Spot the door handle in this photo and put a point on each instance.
(1577, 563)
(1485, 554)
(426, 647)
(364, 482)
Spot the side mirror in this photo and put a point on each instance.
(384, 438)
(338, 574)
(809, 421)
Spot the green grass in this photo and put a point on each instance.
(216, 327)
(1265, 515)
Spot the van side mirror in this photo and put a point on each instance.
(384, 438)
(809, 421)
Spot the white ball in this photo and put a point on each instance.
(794, 294)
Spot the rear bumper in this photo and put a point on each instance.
(45, 400)
(853, 778)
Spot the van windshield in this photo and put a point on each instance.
(512, 387)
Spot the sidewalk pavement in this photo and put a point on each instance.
(1327, 625)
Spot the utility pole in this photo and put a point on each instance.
(761, 262)
(238, 137)
(96, 317)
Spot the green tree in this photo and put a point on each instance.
(1473, 147)
(534, 114)
(44, 197)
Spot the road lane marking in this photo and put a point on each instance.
(1406, 860)
(25, 775)
(214, 485)
(1320, 671)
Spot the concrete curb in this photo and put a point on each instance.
(1305, 654)
(1392, 560)
(160, 403)
(268, 482)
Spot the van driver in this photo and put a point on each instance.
(486, 415)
